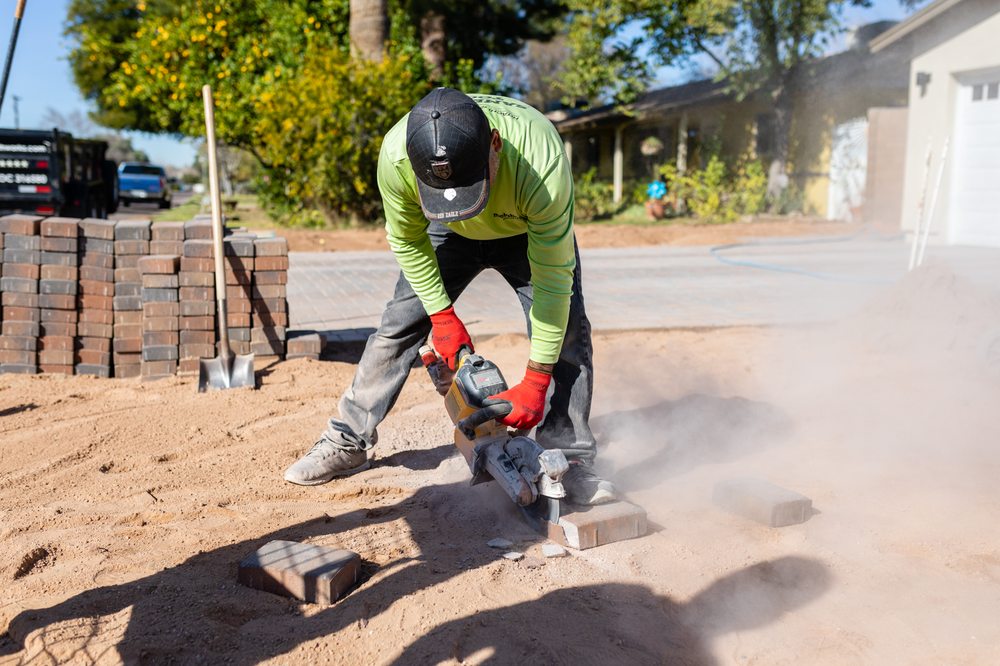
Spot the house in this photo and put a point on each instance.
(832, 100)
(952, 158)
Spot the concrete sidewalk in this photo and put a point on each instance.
(342, 293)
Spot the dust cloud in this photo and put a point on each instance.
(885, 418)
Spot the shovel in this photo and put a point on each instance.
(226, 370)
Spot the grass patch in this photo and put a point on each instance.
(181, 213)
(636, 215)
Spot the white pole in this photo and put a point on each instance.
(934, 198)
(920, 208)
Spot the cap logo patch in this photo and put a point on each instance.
(440, 151)
(450, 193)
(441, 169)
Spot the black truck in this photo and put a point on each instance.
(48, 172)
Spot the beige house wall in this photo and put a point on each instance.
(932, 112)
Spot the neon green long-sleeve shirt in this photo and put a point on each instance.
(532, 193)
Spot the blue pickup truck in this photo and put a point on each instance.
(141, 182)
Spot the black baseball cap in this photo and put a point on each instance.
(448, 142)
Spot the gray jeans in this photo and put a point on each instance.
(392, 350)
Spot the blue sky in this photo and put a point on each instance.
(41, 76)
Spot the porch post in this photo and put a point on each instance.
(619, 165)
(682, 143)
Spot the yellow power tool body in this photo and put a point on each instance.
(530, 475)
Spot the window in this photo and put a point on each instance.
(142, 170)
(977, 92)
(992, 89)
(765, 134)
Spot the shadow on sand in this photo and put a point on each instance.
(194, 612)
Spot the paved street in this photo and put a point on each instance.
(342, 293)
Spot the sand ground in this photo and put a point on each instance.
(125, 508)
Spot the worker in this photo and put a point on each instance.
(470, 183)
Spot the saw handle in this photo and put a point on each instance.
(477, 418)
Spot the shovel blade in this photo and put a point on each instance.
(215, 374)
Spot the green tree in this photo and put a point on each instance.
(756, 45)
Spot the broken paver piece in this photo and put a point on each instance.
(500, 543)
(762, 501)
(513, 556)
(553, 550)
(314, 574)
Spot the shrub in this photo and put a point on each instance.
(321, 131)
(712, 195)
(594, 198)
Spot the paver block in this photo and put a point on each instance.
(97, 288)
(27, 225)
(97, 259)
(197, 308)
(58, 258)
(19, 242)
(18, 368)
(238, 320)
(270, 277)
(17, 300)
(159, 352)
(22, 314)
(167, 231)
(59, 316)
(66, 287)
(200, 249)
(67, 245)
(99, 370)
(160, 339)
(97, 246)
(92, 330)
(23, 271)
(582, 528)
(18, 357)
(174, 247)
(47, 357)
(305, 342)
(197, 265)
(762, 501)
(21, 256)
(127, 230)
(128, 289)
(98, 229)
(314, 574)
(140, 247)
(271, 264)
(198, 229)
(18, 343)
(57, 329)
(97, 316)
(57, 301)
(160, 309)
(127, 303)
(156, 281)
(193, 279)
(50, 272)
(271, 247)
(127, 260)
(158, 295)
(160, 264)
(93, 357)
(95, 302)
(60, 227)
(23, 328)
(95, 273)
(19, 285)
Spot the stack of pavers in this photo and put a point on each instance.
(270, 304)
(197, 296)
(160, 315)
(131, 244)
(19, 283)
(239, 255)
(57, 295)
(95, 303)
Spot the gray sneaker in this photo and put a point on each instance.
(325, 461)
(585, 488)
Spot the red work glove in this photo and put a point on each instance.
(448, 335)
(527, 400)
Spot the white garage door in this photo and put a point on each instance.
(975, 185)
